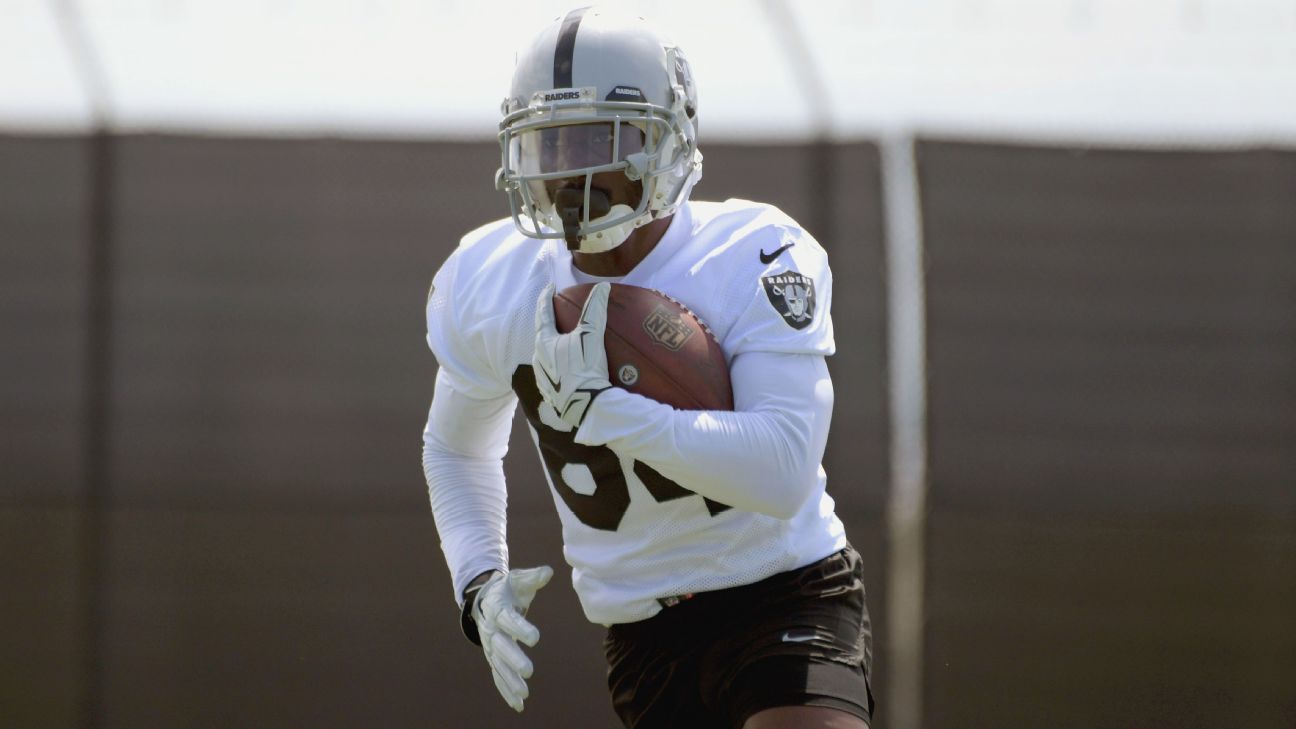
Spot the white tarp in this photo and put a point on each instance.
(1219, 69)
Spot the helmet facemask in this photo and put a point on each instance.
(589, 171)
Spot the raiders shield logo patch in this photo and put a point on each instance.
(793, 296)
(667, 329)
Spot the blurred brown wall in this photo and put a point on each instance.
(1112, 345)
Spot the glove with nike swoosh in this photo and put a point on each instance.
(497, 610)
(571, 369)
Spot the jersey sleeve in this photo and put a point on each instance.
(464, 443)
(784, 305)
(467, 430)
(763, 456)
(460, 343)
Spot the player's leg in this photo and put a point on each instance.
(804, 717)
(800, 691)
(653, 676)
(800, 656)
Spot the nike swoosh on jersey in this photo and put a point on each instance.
(788, 637)
(768, 258)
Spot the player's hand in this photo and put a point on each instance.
(571, 369)
(498, 611)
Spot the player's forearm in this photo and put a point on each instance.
(763, 460)
(756, 461)
(468, 503)
(463, 447)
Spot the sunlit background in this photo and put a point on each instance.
(1063, 234)
(1209, 68)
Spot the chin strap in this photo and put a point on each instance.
(570, 205)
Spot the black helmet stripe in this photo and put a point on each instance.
(566, 47)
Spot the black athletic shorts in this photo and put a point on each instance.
(798, 638)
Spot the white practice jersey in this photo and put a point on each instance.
(631, 535)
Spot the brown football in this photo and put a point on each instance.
(655, 347)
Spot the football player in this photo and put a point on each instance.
(704, 541)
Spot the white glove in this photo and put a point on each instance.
(571, 369)
(498, 611)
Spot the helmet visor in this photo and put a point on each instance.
(575, 148)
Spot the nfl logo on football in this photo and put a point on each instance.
(667, 329)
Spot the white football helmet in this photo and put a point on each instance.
(597, 92)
